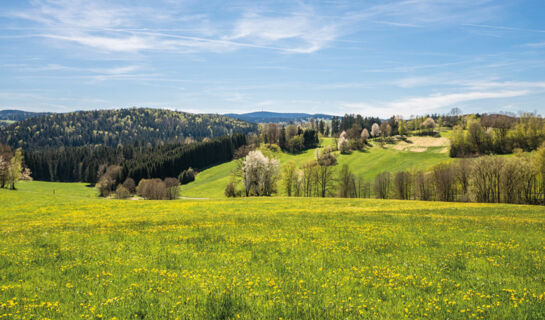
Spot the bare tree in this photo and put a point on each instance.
(121, 192)
(152, 189)
(539, 163)
(4, 169)
(511, 181)
(130, 185)
(423, 186)
(308, 174)
(445, 182)
(529, 182)
(486, 176)
(173, 188)
(326, 160)
(402, 185)
(382, 185)
(289, 173)
(463, 174)
(347, 183)
(109, 179)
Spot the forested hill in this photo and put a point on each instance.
(118, 127)
(275, 117)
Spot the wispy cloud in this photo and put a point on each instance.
(420, 13)
(536, 44)
(309, 31)
(436, 101)
(115, 28)
(475, 91)
(504, 28)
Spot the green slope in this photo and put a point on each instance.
(367, 164)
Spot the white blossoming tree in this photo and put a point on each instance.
(259, 174)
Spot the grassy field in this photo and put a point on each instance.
(367, 164)
(6, 122)
(65, 253)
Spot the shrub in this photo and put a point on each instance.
(122, 192)
(230, 190)
(152, 189)
(187, 176)
(130, 185)
(105, 186)
(240, 152)
(296, 144)
(173, 187)
(109, 177)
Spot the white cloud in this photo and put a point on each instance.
(310, 30)
(430, 103)
(107, 43)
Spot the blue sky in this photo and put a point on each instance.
(375, 58)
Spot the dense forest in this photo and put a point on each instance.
(87, 163)
(113, 128)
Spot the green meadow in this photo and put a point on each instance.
(210, 183)
(67, 254)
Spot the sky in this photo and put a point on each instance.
(375, 58)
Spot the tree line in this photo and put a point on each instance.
(497, 134)
(113, 128)
(490, 179)
(292, 138)
(519, 179)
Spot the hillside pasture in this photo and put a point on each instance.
(210, 183)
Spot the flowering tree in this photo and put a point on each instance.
(428, 125)
(259, 174)
(364, 135)
(342, 144)
(375, 130)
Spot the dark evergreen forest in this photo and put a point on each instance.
(70, 164)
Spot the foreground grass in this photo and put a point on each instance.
(71, 255)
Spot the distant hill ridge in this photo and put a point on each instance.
(18, 115)
(267, 116)
(139, 126)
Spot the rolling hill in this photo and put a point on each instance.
(18, 115)
(118, 127)
(268, 117)
(422, 154)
